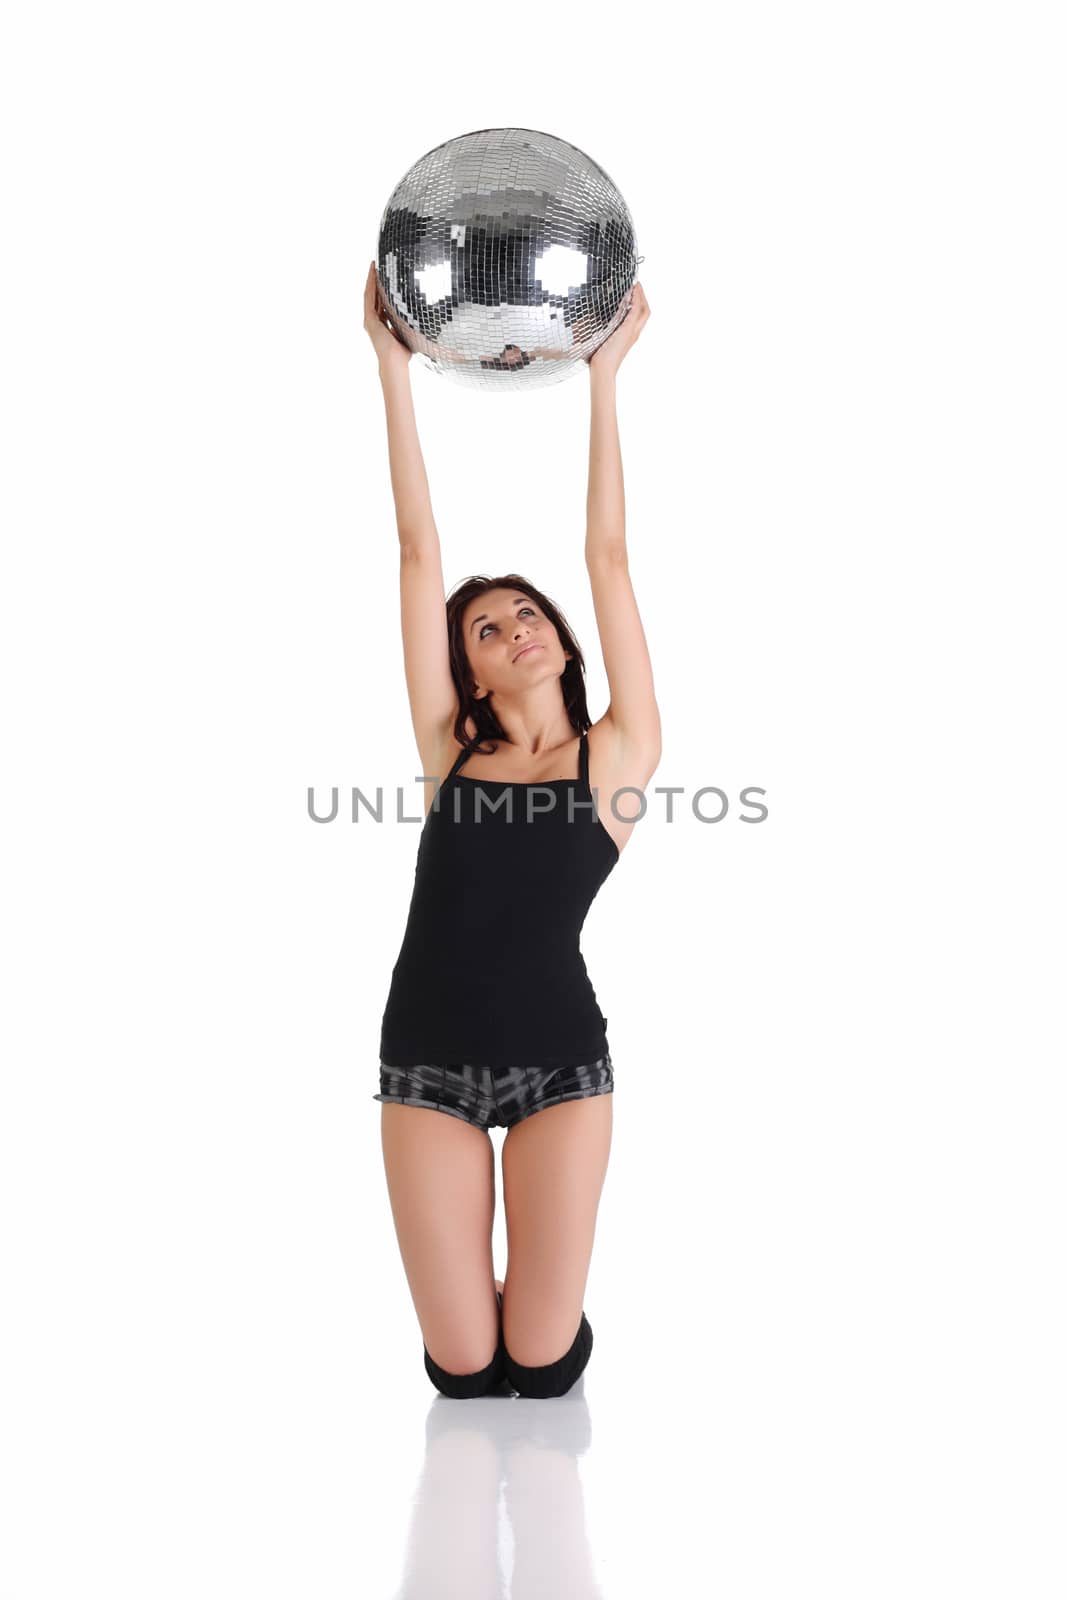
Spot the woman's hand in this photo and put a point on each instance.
(608, 356)
(388, 345)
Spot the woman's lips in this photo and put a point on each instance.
(526, 650)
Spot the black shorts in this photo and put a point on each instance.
(493, 1097)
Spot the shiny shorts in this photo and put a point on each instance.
(493, 1097)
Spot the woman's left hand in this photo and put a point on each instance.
(609, 356)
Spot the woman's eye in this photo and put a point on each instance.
(481, 630)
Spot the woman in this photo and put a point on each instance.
(491, 1018)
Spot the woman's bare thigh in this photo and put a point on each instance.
(440, 1174)
(554, 1164)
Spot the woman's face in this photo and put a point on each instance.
(510, 642)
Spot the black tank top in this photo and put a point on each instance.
(490, 972)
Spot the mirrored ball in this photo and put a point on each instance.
(505, 258)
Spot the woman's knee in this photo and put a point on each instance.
(469, 1385)
(466, 1385)
(557, 1377)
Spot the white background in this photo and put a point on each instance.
(828, 1280)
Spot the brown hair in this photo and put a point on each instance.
(480, 711)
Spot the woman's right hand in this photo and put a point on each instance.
(388, 345)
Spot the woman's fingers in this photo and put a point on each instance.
(370, 292)
(639, 303)
(374, 309)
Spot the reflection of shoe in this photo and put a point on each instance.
(476, 1417)
(562, 1423)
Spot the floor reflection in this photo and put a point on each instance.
(502, 1464)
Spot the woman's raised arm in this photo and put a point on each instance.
(633, 713)
(431, 691)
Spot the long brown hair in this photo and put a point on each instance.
(480, 711)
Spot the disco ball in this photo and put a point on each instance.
(505, 258)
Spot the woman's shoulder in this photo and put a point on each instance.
(438, 758)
